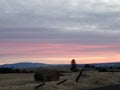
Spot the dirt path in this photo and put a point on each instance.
(114, 87)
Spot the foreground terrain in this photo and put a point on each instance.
(89, 80)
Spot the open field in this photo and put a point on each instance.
(89, 80)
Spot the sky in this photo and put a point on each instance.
(56, 31)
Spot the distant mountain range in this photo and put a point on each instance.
(34, 65)
(24, 65)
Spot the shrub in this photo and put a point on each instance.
(89, 66)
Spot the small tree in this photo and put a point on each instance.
(73, 66)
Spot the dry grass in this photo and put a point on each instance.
(87, 81)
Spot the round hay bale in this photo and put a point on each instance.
(45, 74)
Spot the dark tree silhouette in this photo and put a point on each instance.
(73, 66)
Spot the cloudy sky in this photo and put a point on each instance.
(55, 31)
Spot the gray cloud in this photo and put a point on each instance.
(55, 35)
(78, 21)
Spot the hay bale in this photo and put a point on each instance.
(45, 74)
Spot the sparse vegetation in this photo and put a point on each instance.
(88, 80)
(15, 70)
(88, 66)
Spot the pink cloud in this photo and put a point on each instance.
(57, 51)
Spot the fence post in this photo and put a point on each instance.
(61, 82)
(39, 85)
(79, 75)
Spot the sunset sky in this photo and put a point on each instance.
(56, 31)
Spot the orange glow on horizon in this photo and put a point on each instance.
(79, 60)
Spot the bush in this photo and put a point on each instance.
(103, 70)
(6, 70)
(89, 66)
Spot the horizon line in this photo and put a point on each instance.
(60, 63)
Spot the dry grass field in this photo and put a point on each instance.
(89, 80)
